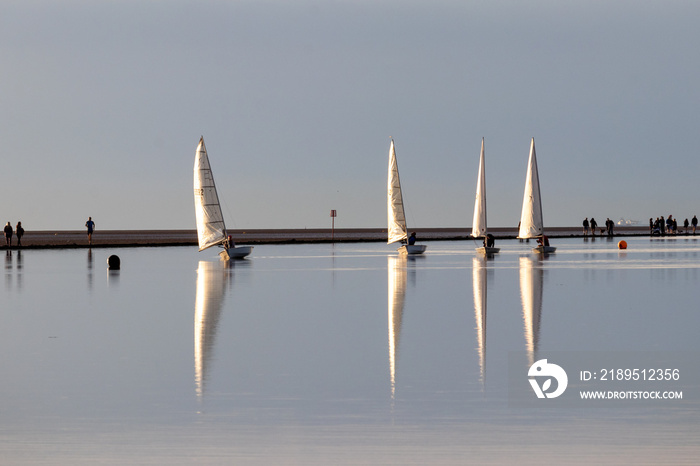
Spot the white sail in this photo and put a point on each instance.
(479, 222)
(210, 220)
(396, 218)
(531, 218)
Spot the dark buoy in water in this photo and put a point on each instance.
(114, 262)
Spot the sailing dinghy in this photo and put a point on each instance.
(531, 224)
(211, 230)
(396, 217)
(479, 229)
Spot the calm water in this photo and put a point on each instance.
(345, 354)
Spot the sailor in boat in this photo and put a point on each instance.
(489, 241)
(412, 239)
(542, 240)
(229, 242)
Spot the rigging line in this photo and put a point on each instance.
(408, 210)
(229, 214)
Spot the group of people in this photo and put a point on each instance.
(18, 232)
(669, 226)
(661, 226)
(593, 225)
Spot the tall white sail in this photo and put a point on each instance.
(396, 218)
(479, 222)
(210, 220)
(531, 217)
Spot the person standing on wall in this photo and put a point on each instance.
(8, 234)
(19, 231)
(90, 225)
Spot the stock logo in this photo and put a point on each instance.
(542, 370)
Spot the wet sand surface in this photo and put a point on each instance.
(138, 238)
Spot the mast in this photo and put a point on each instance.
(396, 218)
(531, 218)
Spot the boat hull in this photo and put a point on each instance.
(412, 249)
(488, 251)
(544, 249)
(235, 253)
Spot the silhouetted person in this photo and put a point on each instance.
(90, 225)
(8, 234)
(19, 231)
(412, 239)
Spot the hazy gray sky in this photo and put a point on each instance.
(103, 103)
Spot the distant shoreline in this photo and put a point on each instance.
(160, 238)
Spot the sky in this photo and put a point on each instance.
(102, 105)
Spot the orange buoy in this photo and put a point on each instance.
(622, 244)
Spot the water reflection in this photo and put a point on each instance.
(479, 287)
(209, 297)
(8, 269)
(313, 397)
(89, 268)
(19, 268)
(531, 274)
(114, 276)
(13, 270)
(396, 267)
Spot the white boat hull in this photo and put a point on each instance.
(544, 249)
(235, 253)
(412, 249)
(487, 251)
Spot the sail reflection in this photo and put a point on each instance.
(396, 267)
(531, 296)
(479, 287)
(211, 287)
